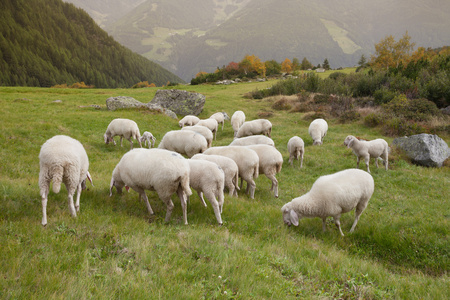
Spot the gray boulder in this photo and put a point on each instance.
(181, 102)
(424, 149)
(123, 102)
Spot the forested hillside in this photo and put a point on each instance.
(48, 42)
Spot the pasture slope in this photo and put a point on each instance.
(114, 249)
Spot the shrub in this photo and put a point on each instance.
(383, 95)
(143, 84)
(414, 109)
(282, 104)
(436, 88)
(336, 75)
(349, 116)
(373, 120)
(312, 82)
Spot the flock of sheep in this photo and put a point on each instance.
(209, 170)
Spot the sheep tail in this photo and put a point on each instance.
(57, 178)
(256, 172)
(279, 167)
(236, 181)
(184, 182)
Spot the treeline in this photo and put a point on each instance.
(48, 42)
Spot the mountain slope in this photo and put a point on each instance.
(48, 42)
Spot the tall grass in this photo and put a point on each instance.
(114, 249)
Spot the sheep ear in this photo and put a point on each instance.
(350, 143)
(294, 217)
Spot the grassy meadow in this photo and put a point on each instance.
(114, 249)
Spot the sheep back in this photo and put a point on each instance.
(237, 119)
(318, 130)
(184, 142)
(252, 140)
(188, 120)
(254, 127)
(122, 127)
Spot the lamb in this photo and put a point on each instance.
(148, 139)
(203, 131)
(208, 178)
(228, 166)
(270, 163)
(331, 196)
(366, 149)
(254, 127)
(159, 170)
(220, 117)
(184, 142)
(247, 161)
(211, 124)
(188, 120)
(252, 140)
(318, 130)
(296, 149)
(63, 159)
(124, 128)
(237, 119)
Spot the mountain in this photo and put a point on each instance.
(188, 36)
(49, 42)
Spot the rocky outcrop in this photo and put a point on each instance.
(424, 149)
(124, 102)
(181, 102)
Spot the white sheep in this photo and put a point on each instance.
(318, 130)
(331, 196)
(159, 170)
(184, 142)
(211, 124)
(188, 120)
(247, 161)
(270, 163)
(296, 149)
(220, 117)
(63, 159)
(205, 131)
(228, 166)
(237, 119)
(252, 140)
(148, 139)
(366, 149)
(124, 128)
(254, 127)
(208, 178)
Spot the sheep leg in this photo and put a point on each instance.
(183, 201)
(358, 211)
(71, 206)
(77, 202)
(251, 187)
(367, 160)
(301, 161)
(357, 162)
(291, 160)
(131, 142)
(337, 222)
(144, 196)
(120, 141)
(215, 205)
(274, 187)
(44, 194)
(376, 162)
(324, 224)
(200, 194)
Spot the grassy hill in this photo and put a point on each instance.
(114, 249)
(44, 43)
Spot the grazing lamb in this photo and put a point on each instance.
(331, 196)
(318, 130)
(125, 129)
(63, 159)
(366, 149)
(211, 124)
(203, 131)
(208, 178)
(237, 119)
(247, 161)
(296, 149)
(254, 127)
(188, 120)
(252, 140)
(148, 139)
(270, 163)
(184, 142)
(220, 117)
(159, 170)
(228, 166)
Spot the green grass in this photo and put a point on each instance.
(114, 249)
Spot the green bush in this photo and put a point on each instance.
(437, 88)
(414, 109)
(373, 120)
(312, 82)
(349, 116)
(383, 95)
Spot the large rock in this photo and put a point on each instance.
(123, 102)
(424, 149)
(181, 102)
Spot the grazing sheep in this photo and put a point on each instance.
(184, 142)
(247, 161)
(124, 128)
(318, 130)
(296, 149)
(237, 119)
(331, 196)
(228, 166)
(208, 178)
(220, 117)
(203, 131)
(211, 124)
(188, 120)
(148, 139)
(252, 140)
(159, 170)
(270, 163)
(63, 159)
(254, 127)
(366, 149)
